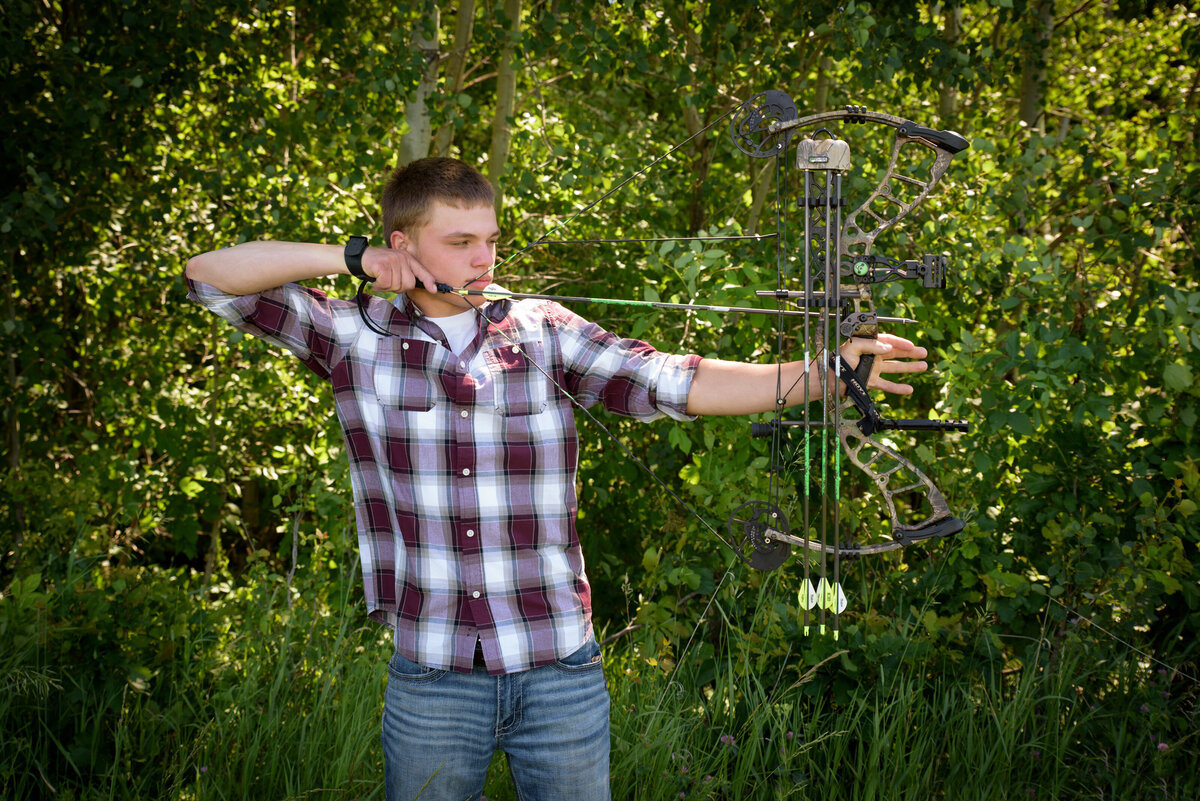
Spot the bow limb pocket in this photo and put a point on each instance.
(520, 378)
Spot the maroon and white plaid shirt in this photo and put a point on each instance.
(463, 466)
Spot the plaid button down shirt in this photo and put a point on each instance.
(463, 466)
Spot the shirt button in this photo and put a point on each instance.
(405, 346)
(463, 365)
(516, 349)
(464, 413)
(475, 594)
(470, 532)
(466, 471)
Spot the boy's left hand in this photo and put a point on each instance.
(888, 350)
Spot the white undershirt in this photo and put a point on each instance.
(459, 329)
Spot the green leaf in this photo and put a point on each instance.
(29, 584)
(1177, 377)
(650, 560)
(1020, 423)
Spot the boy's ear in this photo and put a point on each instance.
(397, 240)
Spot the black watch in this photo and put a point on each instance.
(354, 251)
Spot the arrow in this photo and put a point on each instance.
(503, 294)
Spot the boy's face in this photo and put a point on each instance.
(458, 246)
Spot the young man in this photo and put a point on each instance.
(463, 457)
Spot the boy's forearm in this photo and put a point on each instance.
(257, 266)
(721, 387)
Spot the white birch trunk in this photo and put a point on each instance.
(415, 143)
(506, 93)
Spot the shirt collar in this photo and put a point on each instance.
(494, 310)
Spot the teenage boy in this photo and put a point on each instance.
(463, 457)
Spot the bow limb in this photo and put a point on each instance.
(895, 477)
(764, 529)
(886, 205)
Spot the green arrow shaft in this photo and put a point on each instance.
(646, 304)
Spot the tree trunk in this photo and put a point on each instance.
(12, 421)
(464, 28)
(821, 95)
(701, 147)
(761, 184)
(506, 94)
(703, 157)
(948, 94)
(415, 143)
(1036, 50)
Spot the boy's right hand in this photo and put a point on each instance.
(396, 270)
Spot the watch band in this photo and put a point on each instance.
(353, 253)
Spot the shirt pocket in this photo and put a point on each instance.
(402, 378)
(519, 376)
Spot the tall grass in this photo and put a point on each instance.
(272, 690)
(295, 714)
(1074, 731)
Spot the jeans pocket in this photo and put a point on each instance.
(585, 659)
(401, 668)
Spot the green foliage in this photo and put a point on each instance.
(144, 682)
(1075, 728)
(131, 684)
(151, 454)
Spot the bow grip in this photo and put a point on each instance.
(863, 371)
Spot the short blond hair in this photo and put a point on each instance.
(412, 189)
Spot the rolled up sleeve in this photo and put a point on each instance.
(298, 319)
(628, 376)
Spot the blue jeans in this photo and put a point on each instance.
(441, 728)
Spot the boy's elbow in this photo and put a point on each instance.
(207, 268)
(194, 269)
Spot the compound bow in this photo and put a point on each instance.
(839, 270)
